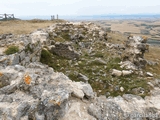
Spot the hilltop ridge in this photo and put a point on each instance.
(76, 71)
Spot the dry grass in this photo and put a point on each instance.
(18, 27)
(116, 38)
(135, 27)
(153, 55)
(125, 27)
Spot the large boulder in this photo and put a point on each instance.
(126, 107)
(37, 92)
(41, 35)
(102, 109)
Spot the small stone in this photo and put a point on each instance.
(83, 77)
(78, 93)
(116, 88)
(14, 59)
(116, 72)
(149, 74)
(126, 72)
(121, 89)
(107, 94)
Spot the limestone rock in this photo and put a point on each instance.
(83, 77)
(126, 72)
(97, 61)
(37, 92)
(31, 90)
(29, 49)
(65, 50)
(77, 111)
(40, 35)
(102, 109)
(149, 74)
(116, 72)
(121, 89)
(134, 53)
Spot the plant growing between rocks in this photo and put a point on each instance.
(46, 56)
(11, 50)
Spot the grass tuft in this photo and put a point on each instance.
(46, 57)
(11, 50)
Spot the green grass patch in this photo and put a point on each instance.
(98, 54)
(113, 63)
(11, 50)
(66, 36)
(46, 57)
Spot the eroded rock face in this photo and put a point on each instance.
(65, 50)
(133, 56)
(37, 92)
(41, 35)
(102, 109)
(127, 107)
(29, 50)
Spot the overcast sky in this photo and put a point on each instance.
(78, 7)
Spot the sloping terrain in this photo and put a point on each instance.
(99, 53)
(78, 62)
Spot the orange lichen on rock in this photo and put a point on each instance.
(1, 74)
(59, 103)
(55, 102)
(27, 79)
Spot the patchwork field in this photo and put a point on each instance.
(149, 28)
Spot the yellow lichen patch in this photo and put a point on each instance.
(59, 103)
(144, 38)
(27, 79)
(1, 74)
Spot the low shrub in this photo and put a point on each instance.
(46, 57)
(11, 50)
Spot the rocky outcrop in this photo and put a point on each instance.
(42, 36)
(133, 56)
(127, 107)
(65, 50)
(29, 50)
(102, 109)
(37, 92)
(30, 90)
